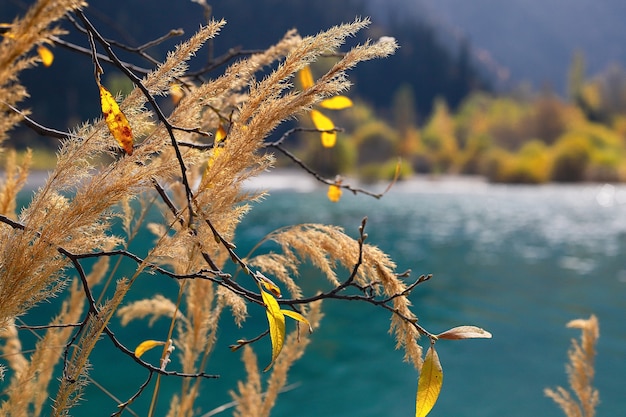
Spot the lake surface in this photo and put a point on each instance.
(519, 261)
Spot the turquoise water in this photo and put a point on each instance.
(518, 261)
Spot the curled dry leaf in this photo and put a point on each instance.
(465, 332)
(268, 284)
(146, 345)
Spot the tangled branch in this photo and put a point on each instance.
(198, 187)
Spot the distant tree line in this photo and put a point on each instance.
(423, 65)
(519, 137)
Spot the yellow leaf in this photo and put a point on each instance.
(306, 78)
(323, 123)
(217, 151)
(429, 383)
(116, 121)
(464, 332)
(276, 320)
(220, 134)
(320, 121)
(146, 345)
(336, 103)
(334, 193)
(297, 316)
(46, 55)
(329, 139)
(176, 93)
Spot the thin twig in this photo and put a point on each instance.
(124, 406)
(47, 326)
(279, 146)
(242, 342)
(38, 128)
(168, 201)
(231, 54)
(86, 51)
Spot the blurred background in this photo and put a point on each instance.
(518, 92)
(510, 119)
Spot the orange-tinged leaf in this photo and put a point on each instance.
(465, 332)
(146, 345)
(116, 121)
(336, 103)
(306, 78)
(46, 55)
(334, 193)
(268, 284)
(429, 383)
(276, 320)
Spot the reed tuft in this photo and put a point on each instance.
(182, 180)
(580, 371)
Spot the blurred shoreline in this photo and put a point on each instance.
(300, 181)
(295, 180)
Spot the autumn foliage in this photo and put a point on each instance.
(116, 121)
(175, 173)
(187, 166)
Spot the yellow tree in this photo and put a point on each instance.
(439, 137)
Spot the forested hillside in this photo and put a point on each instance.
(422, 64)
